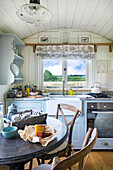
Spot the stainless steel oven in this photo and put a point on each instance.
(100, 115)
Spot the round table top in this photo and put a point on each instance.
(17, 150)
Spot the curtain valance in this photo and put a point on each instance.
(65, 52)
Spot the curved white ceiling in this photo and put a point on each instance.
(88, 15)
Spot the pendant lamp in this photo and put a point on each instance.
(34, 13)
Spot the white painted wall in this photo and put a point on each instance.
(31, 72)
(31, 68)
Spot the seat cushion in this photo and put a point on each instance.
(60, 148)
(43, 167)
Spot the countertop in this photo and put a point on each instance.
(77, 97)
(28, 98)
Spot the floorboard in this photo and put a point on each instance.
(98, 160)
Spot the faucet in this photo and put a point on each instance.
(63, 91)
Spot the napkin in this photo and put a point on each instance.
(29, 134)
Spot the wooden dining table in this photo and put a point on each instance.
(16, 152)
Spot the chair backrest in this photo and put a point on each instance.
(61, 108)
(79, 156)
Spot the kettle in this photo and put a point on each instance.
(96, 88)
(12, 110)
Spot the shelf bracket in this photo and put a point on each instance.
(95, 48)
(110, 48)
(34, 48)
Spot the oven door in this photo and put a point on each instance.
(100, 115)
(103, 121)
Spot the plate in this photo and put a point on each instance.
(14, 68)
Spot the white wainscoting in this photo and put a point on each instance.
(31, 68)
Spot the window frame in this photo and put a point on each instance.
(89, 76)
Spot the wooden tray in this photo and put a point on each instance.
(37, 96)
(41, 119)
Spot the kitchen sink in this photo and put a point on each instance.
(62, 96)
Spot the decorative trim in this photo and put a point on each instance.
(65, 52)
(95, 44)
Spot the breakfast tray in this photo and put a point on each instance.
(41, 119)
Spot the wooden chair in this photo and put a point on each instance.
(75, 158)
(65, 148)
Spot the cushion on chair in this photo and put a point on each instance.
(43, 167)
(60, 148)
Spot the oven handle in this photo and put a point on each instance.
(102, 112)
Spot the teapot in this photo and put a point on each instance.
(96, 88)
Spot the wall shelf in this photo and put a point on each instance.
(18, 56)
(8, 43)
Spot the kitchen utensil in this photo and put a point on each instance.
(96, 88)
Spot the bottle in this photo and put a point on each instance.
(20, 88)
(70, 92)
(28, 89)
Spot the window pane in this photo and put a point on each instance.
(52, 72)
(76, 72)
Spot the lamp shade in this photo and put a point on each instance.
(34, 13)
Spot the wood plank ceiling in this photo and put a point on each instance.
(88, 15)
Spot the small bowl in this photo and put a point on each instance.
(9, 132)
(33, 93)
(45, 94)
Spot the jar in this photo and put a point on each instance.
(12, 110)
(19, 94)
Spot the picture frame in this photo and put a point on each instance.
(84, 39)
(44, 39)
(64, 37)
(102, 66)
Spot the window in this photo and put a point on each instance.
(52, 73)
(74, 72)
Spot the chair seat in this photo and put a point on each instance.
(43, 167)
(58, 149)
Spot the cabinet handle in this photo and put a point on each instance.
(104, 143)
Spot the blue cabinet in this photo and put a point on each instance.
(79, 127)
(26, 105)
(78, 130)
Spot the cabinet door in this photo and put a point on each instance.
(26, 105)
(51, 104)
(59, 117)
(78, 131)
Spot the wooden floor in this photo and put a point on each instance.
(97, 161)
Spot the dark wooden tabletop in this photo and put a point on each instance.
(17, 150)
